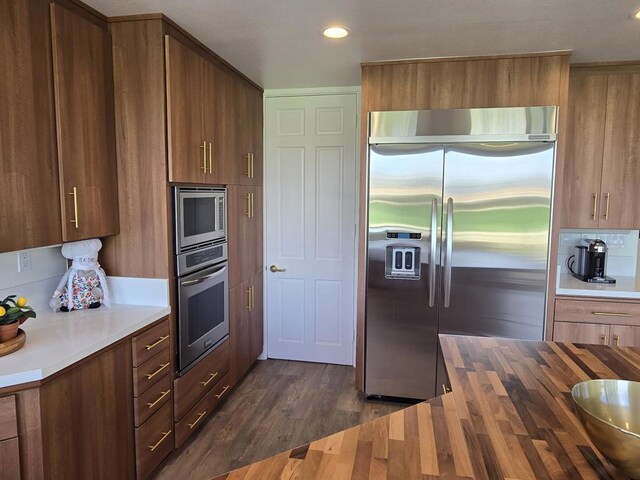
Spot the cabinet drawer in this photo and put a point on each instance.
(9, 460)
(150, 401)
(147, 344)
(150, 372)
(8, 423)
(190, 388)
(593, 311)
(154, 441)
(574, 332)
(201, 411)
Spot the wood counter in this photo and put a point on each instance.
(509, 415)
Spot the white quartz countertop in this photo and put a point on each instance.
(625, 287)
(57, 340)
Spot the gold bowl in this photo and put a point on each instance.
(610, 413)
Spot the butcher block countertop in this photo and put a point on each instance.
(509, 415)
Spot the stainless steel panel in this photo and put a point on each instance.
(501, 197)
(464, 125)
(401, 328)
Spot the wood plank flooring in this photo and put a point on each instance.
(278, 406)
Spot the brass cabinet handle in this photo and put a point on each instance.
(164, 435)
(605, 339)
(248, 173)
(248, 212)
(607, 197)
(155, 344)
(444, 388)
(253, 298)
(211, 377)
(153, 404)
(611, 314)
(223, 391)
(249, 298)
(75, 206)
(595, 206)
(616, 340)
(162, 367)
(204, 156)
(252, 165)
(200, 415)
(210, 161)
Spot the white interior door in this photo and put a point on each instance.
(310, 208)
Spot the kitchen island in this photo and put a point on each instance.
(509, 415)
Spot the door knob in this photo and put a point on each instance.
(275, 269)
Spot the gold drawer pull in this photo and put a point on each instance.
(160, 340)
(75, 206)
(211, 377)
(252, 165)
(612, 314)
(204, 156)
(248, 212)
(444, 388)
(164, 435)
(249, 298)
(191, 425)
(248, 174)
(222, 392)
(594, 215)
(605, 339)
(210, 162)
(164, 394)
(616, 340)
(162, 367)
(607, 196)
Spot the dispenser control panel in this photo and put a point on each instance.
(402, 263)
(404, 235)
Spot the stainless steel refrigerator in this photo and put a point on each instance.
(459, 211)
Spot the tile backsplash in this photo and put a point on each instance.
(622, 253)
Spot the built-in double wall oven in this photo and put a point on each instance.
(201, 270)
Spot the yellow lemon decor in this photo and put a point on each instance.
(2, 312)
(21, 302)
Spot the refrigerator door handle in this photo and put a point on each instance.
(447, 264)
(432, 256)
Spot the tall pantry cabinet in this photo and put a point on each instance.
(185, 116)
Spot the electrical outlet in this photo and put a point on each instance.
(24, 261)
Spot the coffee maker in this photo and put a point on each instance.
(588, 263)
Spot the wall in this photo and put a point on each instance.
(38, 284)
(622, 253)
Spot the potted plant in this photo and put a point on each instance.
(13, 312)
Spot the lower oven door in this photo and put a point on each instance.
(203, 312)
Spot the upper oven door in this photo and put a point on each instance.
(200, 217)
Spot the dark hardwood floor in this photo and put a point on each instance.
(279, 405)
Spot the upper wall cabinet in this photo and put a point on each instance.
(30, 213)
(601, 170)
(56, 89)
(250, 137)
(83, 85)
(203, 116)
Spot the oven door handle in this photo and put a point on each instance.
(217, 273)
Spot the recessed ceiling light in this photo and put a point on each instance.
(637, 15)
(335, 32)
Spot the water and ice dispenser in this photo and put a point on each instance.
(402, 262)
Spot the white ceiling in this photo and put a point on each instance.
(278, 43)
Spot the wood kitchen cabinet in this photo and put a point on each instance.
(201, 108)
(83, 86)
(245, 233)
(251, 134)
(594, 321)
(27, 137)
(600, 171)
(188, 140)
(245, 325)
